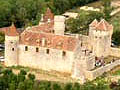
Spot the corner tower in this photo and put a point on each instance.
(100, 34)
(11, 46)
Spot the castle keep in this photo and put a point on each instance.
(47, 47)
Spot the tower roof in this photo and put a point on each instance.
(48, 15)
(12, 31)
(94, 23)
(103, 25)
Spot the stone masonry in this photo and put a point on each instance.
(47, 47)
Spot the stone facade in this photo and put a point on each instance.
(47, 47)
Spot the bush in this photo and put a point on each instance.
(56, 86)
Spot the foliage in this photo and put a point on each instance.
(107, 9)
(81, 23)
(2, 37)
(116, 37)
(11, 81)
(28, 12)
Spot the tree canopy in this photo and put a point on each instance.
(28, 12)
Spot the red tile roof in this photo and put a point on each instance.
(51, 40)
(94, 23)
(46, 27)
(4, 29)
(102, 25)
(12, 31)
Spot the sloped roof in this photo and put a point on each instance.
(52, 40)
(45, 27)
(102, 25)
(48, 15)
(12, 31)
(94, 23)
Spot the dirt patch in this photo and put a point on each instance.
(49, 76)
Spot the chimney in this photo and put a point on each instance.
(59, 25)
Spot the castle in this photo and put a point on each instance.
(47, 47)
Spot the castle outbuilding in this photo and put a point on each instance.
(46, 46)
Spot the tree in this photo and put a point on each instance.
(21, 86)
(116, 37)
(12, 86)
(56, 86)
(107, 9)
(2, 37)
(68, 86)
(81, 23)
(31, 76)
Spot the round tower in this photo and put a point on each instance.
(100, 34)
(11, 46)
(59, 25)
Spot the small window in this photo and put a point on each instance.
(11, 42)
(13, 49)
(26, 48)
(47, 51)
(81, 44)
(63, 53)
(53, 31)
(37, 49)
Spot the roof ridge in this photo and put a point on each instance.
(103, 24)
(94, 22)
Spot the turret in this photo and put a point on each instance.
(100, 34)
(59, 25)
(11, 46)
(48, 16)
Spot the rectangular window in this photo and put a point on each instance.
(47, 51)
(63, 53)
(26, 48)
(13, 49)
(37, 49)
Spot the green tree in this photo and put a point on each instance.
(12, 86)
(68, 86)
(56, 86)
(31, 76)
(107, 9)
(21, 86)
(116, 37)
(81, 23)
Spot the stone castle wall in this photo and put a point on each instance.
(11, 51)
(90, 75)
(115, 52)
(41, 60)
